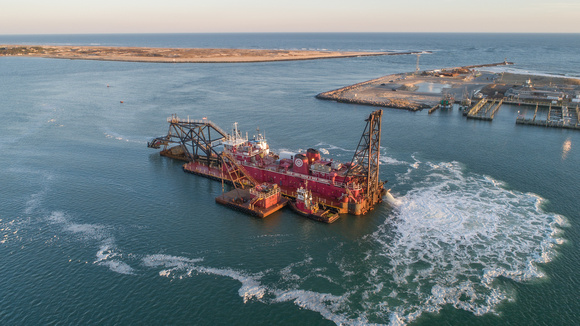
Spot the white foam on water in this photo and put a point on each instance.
(394, 202)
(44, 178)
(105, 251)
(107, 256)
(454, 235)
(416, 164)
(34, 202)
(327, 305)
(287, 272)
(82, 230)
(448, 241)
(273, 235)
(57, 217)
(325, 149)
(251, 287)
(116, 136)
(168, 261)
(118, 266)
(330, 147)
(88, 231)
(383, 159)
(61, 219)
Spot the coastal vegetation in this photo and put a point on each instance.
(23, 50)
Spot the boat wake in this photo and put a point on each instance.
(453, 236)
(453, 240)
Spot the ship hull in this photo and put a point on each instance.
(240, 200)
(323, 191)
(323, 216)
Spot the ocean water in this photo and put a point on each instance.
(95, 228)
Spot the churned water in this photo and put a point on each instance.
(95, 228)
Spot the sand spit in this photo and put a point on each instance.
(176, 55)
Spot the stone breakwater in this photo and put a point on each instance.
(415, 90)
(395, 104)
(342, 95)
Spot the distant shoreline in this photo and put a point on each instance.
(178, 55)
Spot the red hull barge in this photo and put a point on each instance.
(260, 201)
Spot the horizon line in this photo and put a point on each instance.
(166, 33)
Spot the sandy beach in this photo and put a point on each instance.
(175, 55)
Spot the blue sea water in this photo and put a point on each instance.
(95, 228)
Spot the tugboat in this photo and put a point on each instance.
(447, 101)
(305, 206)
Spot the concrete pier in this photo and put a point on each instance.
(557, 117)
(547, 123)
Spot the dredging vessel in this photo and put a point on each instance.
(209, 151)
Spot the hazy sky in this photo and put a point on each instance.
(193, 16)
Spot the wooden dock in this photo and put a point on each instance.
(484, 110)
(474, 109)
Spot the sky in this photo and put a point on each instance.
(266, 16)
